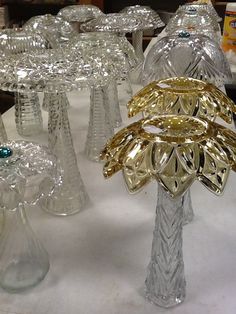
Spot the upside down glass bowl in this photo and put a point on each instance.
(203, 59)
(80, 13)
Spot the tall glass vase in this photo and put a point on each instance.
(100, 123)
(165, 283)
(23, 260)
(28, 114)
(70, 196)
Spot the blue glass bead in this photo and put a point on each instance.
(184, 34)
(5, 152)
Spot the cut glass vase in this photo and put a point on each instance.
(165, 282)
(70, 196)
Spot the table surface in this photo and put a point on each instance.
(99, 256)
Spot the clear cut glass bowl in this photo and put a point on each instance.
(79, 13)
(54, 28)
(205, 6)
(191, 18)
(150, 18)
(203, 59)
(113, 22)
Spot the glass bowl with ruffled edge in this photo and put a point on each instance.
(57, 71)
(28, 171)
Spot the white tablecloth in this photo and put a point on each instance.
(99, 256)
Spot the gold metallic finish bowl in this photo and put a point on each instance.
(174, 150)
(181, 95)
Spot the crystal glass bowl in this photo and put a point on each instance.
(79, 13)
(203, 59)
(208, 7)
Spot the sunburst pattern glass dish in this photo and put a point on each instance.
(27, 107)
(203, 59)
(175, 151)
(28, 171)
(150, 20)
(187, 18)
(57, 71)
(104, 106)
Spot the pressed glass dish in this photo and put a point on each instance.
(80, 13)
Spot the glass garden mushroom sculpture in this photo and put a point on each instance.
(175, 151)
(186, 96)
(28, 171)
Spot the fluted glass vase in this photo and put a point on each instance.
(165, 283)
(23, 260)
(100, 124)
(28, 115)
(70, 196)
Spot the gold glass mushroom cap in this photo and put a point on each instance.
(181, 95)
(174, 150)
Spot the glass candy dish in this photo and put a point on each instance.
(57, 71)
(104, 112)
(27, 107)
(175, 151)
(28, 172)
(191, 18)
(150, 20)
(203, 59)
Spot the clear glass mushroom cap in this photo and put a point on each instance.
(108, 42)
(150, 18)
(203, 59)
(113, 22)
(189, 18)
(80, 13)
(54, 28)
(28, 171)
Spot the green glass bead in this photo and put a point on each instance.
(5, 152)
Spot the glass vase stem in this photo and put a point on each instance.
(165, 283)
(28, 114)
(47, 101)
(113, 100)
(23, 260)
(3, 133)
(188, 208)
(137, 40)
(70, 195)
(100, 123)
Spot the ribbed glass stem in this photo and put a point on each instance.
(70, 196)
(188, 208)
(113, 101)
(3, 133)
(137, 41)
(165, 283)
(100, 124)
(47, 101)
(23, 260)
(28, 114)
